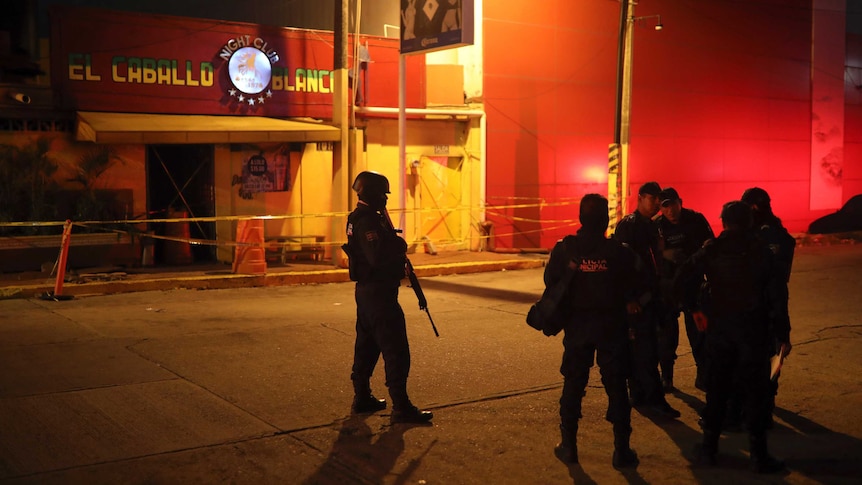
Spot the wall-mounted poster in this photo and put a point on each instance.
(266, 172)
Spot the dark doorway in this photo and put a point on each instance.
(180, 183)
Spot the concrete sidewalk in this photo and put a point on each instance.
(251, 386)
(219, 276)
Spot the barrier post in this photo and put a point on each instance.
(64, 254)
(250, 255)
(178, 250)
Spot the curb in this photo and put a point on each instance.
(229, 280)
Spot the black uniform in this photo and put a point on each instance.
(679, 242)
(747, 292)
(377, 264)
(604, 279)
(780, 242)
(640, 233)
(772, 233)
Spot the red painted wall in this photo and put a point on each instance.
(720, 102)
(92, 51)
(549, 88)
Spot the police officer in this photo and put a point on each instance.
(377, 257)
(640, 232)
(682, 232)
(746, 290)
(604, 280)
(769, 229)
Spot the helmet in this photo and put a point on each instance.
(756, 196)
(736, 213)
(370, 184)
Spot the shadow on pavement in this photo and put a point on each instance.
(808, 448)
(824, 452)
(482, 292)
(579, 476)
(370, 457)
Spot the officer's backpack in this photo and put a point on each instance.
(551, 312)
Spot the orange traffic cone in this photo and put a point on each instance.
(249, 256)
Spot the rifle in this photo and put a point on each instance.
(414, 281)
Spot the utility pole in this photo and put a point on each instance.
(618, 151)
(340, 164)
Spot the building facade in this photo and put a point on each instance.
(197, 124)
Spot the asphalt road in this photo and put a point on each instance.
(251, 385)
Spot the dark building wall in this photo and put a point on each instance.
(306, 14)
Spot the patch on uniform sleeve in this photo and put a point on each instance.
(372, 236)
(349, 228)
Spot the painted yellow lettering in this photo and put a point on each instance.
(325, 82)
(149, 68)
(190, 80)
(163, 71)
(175, 81)
(134, 72)
(76, 70)
(88, 70)
(277, 78)
(312, 81)
(115, 73)
(207, 76)
(300, 80)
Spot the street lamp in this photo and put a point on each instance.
(618, 151)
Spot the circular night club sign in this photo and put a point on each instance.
(250, 72)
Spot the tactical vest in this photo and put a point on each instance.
(390, 248)
(594, 287)
(780, 242)
(736, 275)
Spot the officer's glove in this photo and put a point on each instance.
(700, 320)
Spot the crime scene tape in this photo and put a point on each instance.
(497, 211)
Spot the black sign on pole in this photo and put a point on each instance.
(432, 25)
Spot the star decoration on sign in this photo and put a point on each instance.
(250, 99)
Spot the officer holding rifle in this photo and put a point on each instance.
(378, 258)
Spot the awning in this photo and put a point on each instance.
(133, 128)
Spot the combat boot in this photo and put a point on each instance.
(706, 452)
(663, 408)
(411, 414)
(667, 379)
(364, 401)
(761, 460)
(567, 449)
(770, 420)
(403, 411)
(700, 379)
(367, 403)
(624, 456)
